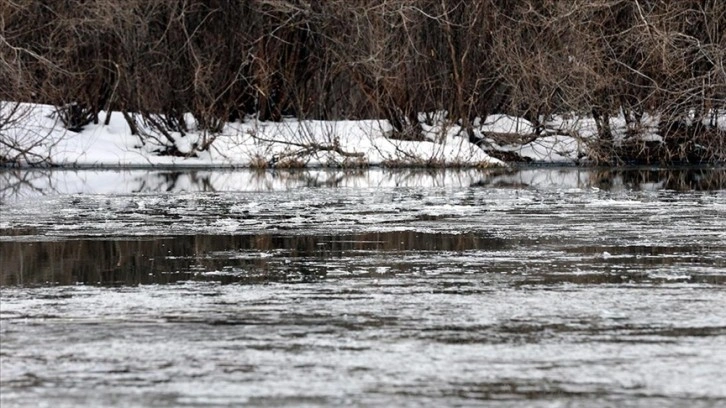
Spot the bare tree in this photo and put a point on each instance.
(160, 63)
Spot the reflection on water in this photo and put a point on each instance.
(22, 184)
(305, 258)
(531, 287)
(226, 258)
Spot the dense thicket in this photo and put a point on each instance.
(155, 60)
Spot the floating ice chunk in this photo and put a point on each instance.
(383, 269)
(669, 277)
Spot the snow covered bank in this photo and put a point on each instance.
(37, 136)
(33, 135)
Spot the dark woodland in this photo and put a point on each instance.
(156, 60)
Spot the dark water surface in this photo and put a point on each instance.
(532, 287)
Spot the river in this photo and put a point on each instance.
(508, 287)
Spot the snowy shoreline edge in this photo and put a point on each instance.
(32, 135)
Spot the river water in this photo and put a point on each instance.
(531, 287)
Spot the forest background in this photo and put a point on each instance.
(650, 74)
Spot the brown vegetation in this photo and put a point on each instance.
(222, 60)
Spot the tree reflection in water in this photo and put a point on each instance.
(24, 184)
(225, 258)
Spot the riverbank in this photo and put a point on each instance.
(279, 84)
(38, 138)
(34, 136)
